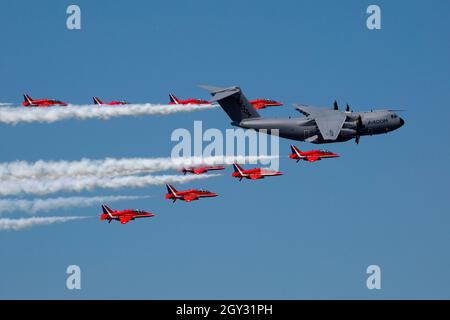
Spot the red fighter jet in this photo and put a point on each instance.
(263, 103)
(187, 195)
(312, 155)
(175, 100)
(124, 216)
(111, 103)
(200, 170)
(28, 102)
(253, 174)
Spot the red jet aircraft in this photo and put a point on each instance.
(124, 216)
(200, 170)
(112, 103)
(312, 155)
(175, 100)
(187, 195)
(253, 174)
(263, 103)
(28, 102)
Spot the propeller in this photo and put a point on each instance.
(359, 126)
(335, 105)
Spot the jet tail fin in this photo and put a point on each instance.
(294, 149)
(27, 98)
(171, 189)
(173, 99)
(237, 168)
(97, 100)
(107, 210)
(233, 102)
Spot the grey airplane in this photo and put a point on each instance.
(319, 125)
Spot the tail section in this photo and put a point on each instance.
(107, 210)
(97, 100)
(295, 150)
(233, 102)
(237, 168)
(28, 99)
(173, 98)
(171, 189)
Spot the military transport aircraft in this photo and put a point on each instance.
(253, 174)
(29, 102)
(318, 126)
(200, 170)
(311, 155)
(124, 216)
(187, 195)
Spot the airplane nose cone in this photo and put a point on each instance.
(402, 122)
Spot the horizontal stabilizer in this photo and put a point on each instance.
(220, 93)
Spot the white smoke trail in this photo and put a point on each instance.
(36, 205)
(26, 223)
(110, 166)
(5, 104)
(43, 187)
(14, 115)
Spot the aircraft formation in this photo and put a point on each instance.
(29, 102)
(318, 126)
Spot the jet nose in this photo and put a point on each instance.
(402, 122)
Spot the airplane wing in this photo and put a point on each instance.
(329, 121)
(125, 220)
(255, 176)
(190, 198)
(313, 159)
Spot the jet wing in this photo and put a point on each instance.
(125, 220)
(199, 171)
(189, 198)
(329, 121)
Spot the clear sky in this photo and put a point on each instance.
(308, 234)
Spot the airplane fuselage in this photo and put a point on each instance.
(303, 128)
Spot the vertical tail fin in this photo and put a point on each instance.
(233, 102)
(295, 150)
(237, 168)
(173, 98)
(27, 98)
(171, 189)
(97, 100)
(107, 210)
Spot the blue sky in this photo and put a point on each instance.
(308, 234)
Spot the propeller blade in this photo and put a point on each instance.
(359, 123)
